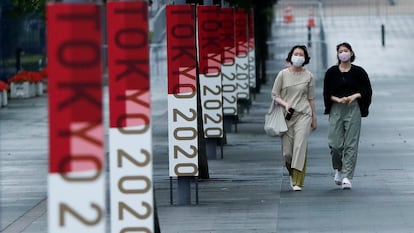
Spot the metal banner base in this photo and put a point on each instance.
(184, 190)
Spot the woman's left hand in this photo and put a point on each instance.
(353, 97)
(314, 124)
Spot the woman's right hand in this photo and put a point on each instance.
(343, 100)
(287, 107)
(283, 103)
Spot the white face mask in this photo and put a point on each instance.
(297, 60)
(344, 56)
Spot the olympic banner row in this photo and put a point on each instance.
(76, 183)
(208, 54)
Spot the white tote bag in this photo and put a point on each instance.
(275, 124)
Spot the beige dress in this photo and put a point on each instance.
(296, 88)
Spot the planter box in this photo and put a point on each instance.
(39, 88)
(20, 90)
(44, 86)
(33, 90)
(4, 98)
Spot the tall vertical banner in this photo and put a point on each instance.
(228, 62)
(76, 185)
(252, 52)
(242, 58)
(130, 143)
(182, 90)
(209, 50)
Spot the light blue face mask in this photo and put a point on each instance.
(297, 60)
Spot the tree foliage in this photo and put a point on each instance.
(23, 7)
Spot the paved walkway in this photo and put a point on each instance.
(248, 190)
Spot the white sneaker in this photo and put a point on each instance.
(297, 188)
(291, 181)
(338, 177)
(346, 184)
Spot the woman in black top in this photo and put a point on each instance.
(347, 96)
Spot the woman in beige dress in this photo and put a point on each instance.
(293, 89)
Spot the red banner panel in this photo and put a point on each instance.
(241, 33)
(251, 29)
(227, 36)
(128, 64)
(75, 87)
(209, 39)
(181, 47)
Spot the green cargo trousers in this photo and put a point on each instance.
(343, 136)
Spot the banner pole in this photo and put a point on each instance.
(182, 98)
(76, 179)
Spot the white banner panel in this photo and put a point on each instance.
(229, 85)
(242, 77)
(182, 136)
(252, 68)
(83, 215)
(212, 106)
(131, 179)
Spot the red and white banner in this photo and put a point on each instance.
(209, 50)
(252, 52)
(242, 59)
(76, 184)
(228, 62)
(182, 90)
(130, 143)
